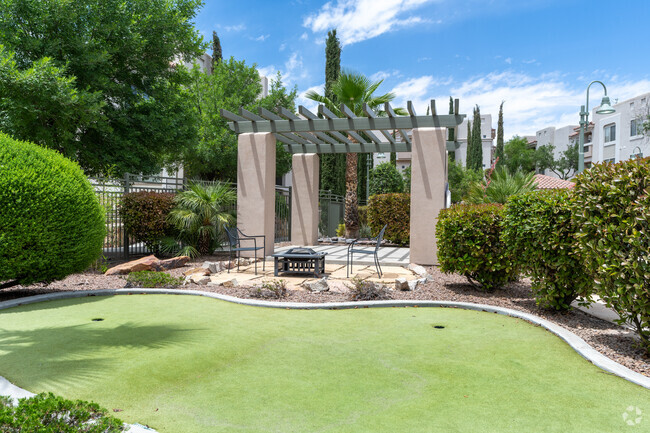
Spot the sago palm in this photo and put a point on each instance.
(200, 215)
(499, 186)
(354, 90)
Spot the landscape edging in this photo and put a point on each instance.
(577, 343)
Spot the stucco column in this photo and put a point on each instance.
(256, 188)
(304, 203)
(428, 179)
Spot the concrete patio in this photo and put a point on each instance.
(337, 254)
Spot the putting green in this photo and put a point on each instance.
(193, 364)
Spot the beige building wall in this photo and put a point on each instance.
(256, 188)
(304, 204)
(428, 179)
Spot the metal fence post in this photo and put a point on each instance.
(125, 243)
(290, 203)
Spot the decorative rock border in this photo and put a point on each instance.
(577, 343)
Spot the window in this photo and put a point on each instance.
(610, 133)
(610, 160)
(635, 127)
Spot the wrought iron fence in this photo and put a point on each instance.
(110, 191)
(332, 209)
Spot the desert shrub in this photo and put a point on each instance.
(276, 289)
(385, 179)
(540, 234)
(47, 413)
(51, 223)
(612, 210)
(152, 279)
(499, 185)
(469, 243)
(145, 216)
(363, 290)
(394, 210)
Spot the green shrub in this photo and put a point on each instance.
(385, 179)
(540, 234)
(469, 243)
(460, 179)
(51, 223)
(394, 210)
(145, 215)
(152, 279)
(406, 175)
(47, 413)
(612, 209)
(363, 215)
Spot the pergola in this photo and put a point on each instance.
(306, 135)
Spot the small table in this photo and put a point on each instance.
(300, 261)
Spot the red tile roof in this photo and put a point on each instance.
(548, 182)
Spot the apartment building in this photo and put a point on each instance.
(609, 137)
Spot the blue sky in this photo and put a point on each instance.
(536, 55)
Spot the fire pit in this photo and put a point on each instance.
(299, 261)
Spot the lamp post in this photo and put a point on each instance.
(636, 154)
(605, 108)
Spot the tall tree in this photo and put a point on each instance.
(120, 51)
(233, 84)
(217, 55)
(499, 150)
(354, 90)
(332, 169)
(475, 152)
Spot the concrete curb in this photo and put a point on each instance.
(577, 343)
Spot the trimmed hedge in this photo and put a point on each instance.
(539, 232)
(51, 223)
(47, 413)
(469, 243)
(394, 210)
(145, 216)
(612, 209)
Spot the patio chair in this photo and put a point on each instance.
(235, 238)
(352, 250)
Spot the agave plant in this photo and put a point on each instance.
(499, 185)
(199, 216)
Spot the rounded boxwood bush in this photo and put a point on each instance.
(51, 223)
(145, 215)
(393, 210)
(612, 211)
(469, 243)
(540, 233)
(385, 179)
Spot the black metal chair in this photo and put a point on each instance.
(235, 238)
(352, 251)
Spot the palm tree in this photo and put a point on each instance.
(200, 215)
(354, 90)
(500, 185)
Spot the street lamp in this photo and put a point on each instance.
(605, 108)
(636, 154)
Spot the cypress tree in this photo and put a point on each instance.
(475, 152)
(217, 55)
(499, 150)
(332, 169)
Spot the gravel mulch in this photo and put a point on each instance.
(615, 342)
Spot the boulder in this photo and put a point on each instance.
(413, 284)
(419, 270)
(337, 286)
(174, 262)
(316, 286)
(196, 271)
(148, 263)
(402, 284)
(231, 283)
(213, 267)
(201, 280)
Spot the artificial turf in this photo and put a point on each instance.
(193, 364)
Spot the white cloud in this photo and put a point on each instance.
(234, 28)
(282, 47)
(262, 38)
(358, 20)
(531, 102)
(304, 36)
(292, 71)
(508, 60)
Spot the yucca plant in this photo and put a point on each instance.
(499, 185)
(199, 215)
